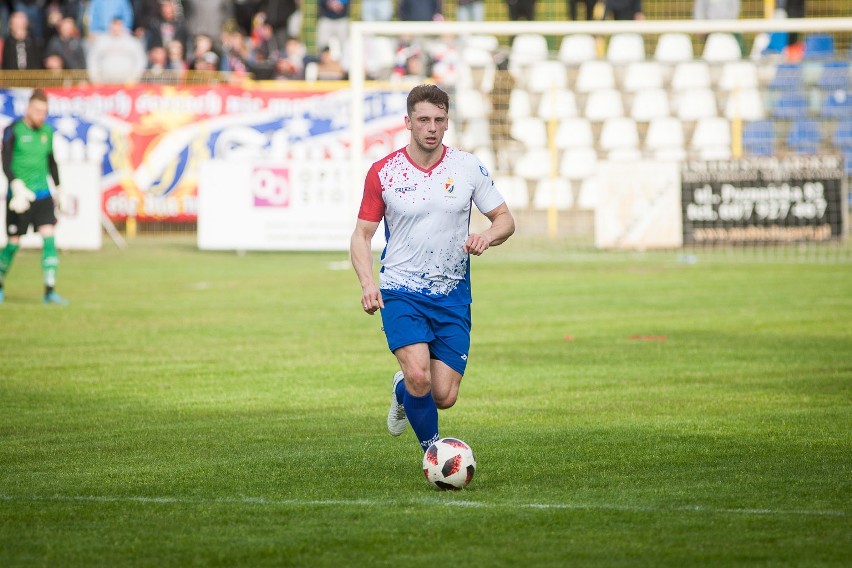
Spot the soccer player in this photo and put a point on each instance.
(27, 161)
(424, 193)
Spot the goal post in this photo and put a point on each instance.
(523, 127)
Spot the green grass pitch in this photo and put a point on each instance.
(214, 409)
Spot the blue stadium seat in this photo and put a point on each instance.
(759, 138)
(847, 154)
(837, 104)
(787, 76)
(835, 76)
(819, 46)
(791, 104)
(843, 134)
(805, 137)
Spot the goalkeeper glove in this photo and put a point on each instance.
(21, 196)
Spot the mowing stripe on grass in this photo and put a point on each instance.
(428, 501)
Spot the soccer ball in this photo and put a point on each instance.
(449, 464)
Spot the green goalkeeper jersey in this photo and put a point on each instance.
(28, 155)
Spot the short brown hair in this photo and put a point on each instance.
(38, 95)
(430, 94)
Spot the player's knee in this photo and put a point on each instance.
(445, 402)
(418, 381)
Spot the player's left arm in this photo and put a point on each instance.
(502, 227)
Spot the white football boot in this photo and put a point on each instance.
(397, 420)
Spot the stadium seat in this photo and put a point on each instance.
(603, 104)
(711, 139)
(842, 137)
(594, 75)
(617, 133)
(691, 75)
(471, 104)
(835, 75)
(738, 75)
(477, 57)
(577, 48)
(673, 47)
(721, 47)
(804, 137)
(544, 76)
(533, 164)
(514, 191)
(574, 133)
(530, 131)
(559, 104)
(625, 47)
(476, 133)
(588, 194)
(379, 56)
(837, 104)
(520, 104)
(579, 163)
(665, 138)
(759, 138)
(787, 76)
(486, 156)
(553, 191)
(791, 104)
(693, 104)
(528, 48)
(643, 75)
(487, 42)
(649, 104)
(746, 104)
(818, 47)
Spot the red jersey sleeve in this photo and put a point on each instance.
(372, 204)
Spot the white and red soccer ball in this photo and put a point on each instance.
(449, 463)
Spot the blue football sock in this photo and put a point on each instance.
(423, 416)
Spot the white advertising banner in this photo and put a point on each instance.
(305, 205)
(639, 206)
(78, 225)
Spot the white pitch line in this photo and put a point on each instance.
(429, 501)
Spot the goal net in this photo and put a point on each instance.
(711, 136)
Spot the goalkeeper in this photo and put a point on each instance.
(27, 162)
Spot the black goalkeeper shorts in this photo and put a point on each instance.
(40, 213)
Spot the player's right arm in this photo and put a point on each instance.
(361, 254)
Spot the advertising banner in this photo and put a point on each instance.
(150, 141)
(763, 200)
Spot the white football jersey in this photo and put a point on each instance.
(427, 220)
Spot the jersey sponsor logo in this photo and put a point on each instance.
(404, 189)
(483, 170)
(449, 185)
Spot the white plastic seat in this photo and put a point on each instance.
(559, 104)
(546, 75)
(603, 104)
(720, 47)
(694, 104)
(691, 75)
(528, 48)
(664, 134)
(711, 139)
(619, 133)
(533, 164)
(486, 156)
(577, 48)
(578, 163)
(476, 56)
(738, 75)
(476, 133)
(594, 75)
(379, 55)
(554, 192)
(625, 47)
(471, 104)
(587, 197)
(574, 133)
(520, 104)
(643, 75)
(673, 47)
(624, 155)
(514, 190)
(649, 104)
(482, 41)
(746, 104)
(530, 131)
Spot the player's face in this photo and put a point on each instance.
(427, 124)
(36, 113)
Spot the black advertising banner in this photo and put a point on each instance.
(763, 200)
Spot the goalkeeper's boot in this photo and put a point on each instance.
(54, 298)
(397, 420)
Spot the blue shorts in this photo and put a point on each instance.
(411, 318)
